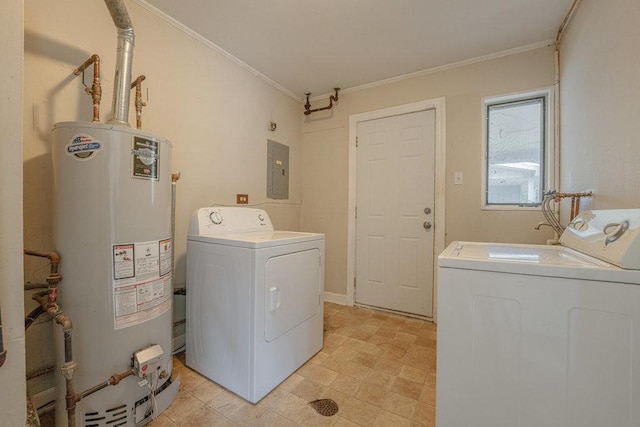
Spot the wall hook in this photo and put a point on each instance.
(332, 99)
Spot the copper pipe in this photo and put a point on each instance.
(113, 380)
(54, 277)
(577, 206)
(95, 90)
(573, 208)
(138, 100)
(332, 99)
(53, 256)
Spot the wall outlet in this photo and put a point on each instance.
(458, 178)
(242, 199)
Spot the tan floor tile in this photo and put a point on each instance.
(189, 379)
(393, 321)
(404, 338)
(309, 390)
(377, 339)
(365, 359)
(319, 357)
(425, 414)
(392, 351)
(372, 349)
(372, 393)
(387, 419)
(256, 415)
(343, 422)
(317, 373)
(353, 343)
(206, 391)
(428, 395)
(345, 331)
(333, 363)
(343, 353)
(355, 370)
(346, 384)
(360, 412)
(413, 374)
(306, 416)
(225, 401)
(292, 381)
(161, 421)
(388, 366)
(400, 405)
(425, 342)
(387, 331)
(333, 340)
(204, 417)
(380, 378)
(419, 356)
(406, 388)
(370, 326)
(270, 419)
(341, 398)
(431, 379)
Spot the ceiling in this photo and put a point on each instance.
(314, 46)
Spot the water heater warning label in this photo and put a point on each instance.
(141, 281)
(145, 157)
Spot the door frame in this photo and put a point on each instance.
(437, 104)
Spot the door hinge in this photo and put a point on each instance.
(356, 142)
(354, 282)
(356, 212)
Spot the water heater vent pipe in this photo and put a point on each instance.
(124, 62)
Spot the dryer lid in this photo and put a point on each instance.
(217, 220)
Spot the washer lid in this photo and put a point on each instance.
(536, 260)
(611, 235)
(258, 239)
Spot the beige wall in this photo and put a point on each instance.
(215, 113)
(600, 103)
(12, 373)
(325, 153)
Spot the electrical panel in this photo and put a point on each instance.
(277, 170)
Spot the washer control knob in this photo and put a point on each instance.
(215, 217)
(261, 217)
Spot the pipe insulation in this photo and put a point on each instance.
(124, 62)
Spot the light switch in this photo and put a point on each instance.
(458, 178)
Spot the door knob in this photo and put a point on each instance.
(426, 225)
(427, 210)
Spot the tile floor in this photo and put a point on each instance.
(378, 367)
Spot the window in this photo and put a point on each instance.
(517, 151)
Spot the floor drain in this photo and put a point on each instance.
(326, 407)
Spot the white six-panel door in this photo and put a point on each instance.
(395, 211)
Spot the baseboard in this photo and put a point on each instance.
(335, 298)
(179, 343)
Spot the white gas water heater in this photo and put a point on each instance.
(113, 232)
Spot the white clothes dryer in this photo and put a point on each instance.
(537, 335)
(254, 299)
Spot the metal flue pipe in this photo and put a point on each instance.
(124, 62)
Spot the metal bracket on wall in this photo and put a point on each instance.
(332, 99)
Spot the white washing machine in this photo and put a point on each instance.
(534, 335)
(254, 299)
